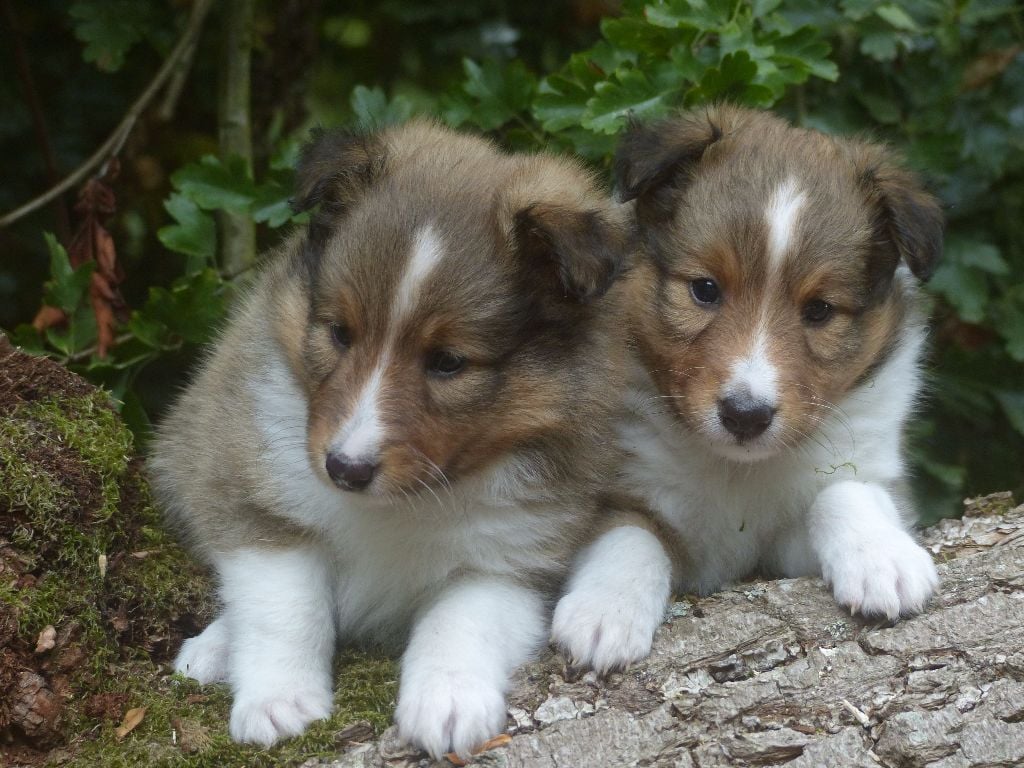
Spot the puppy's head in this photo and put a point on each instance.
(771, 286)
(453, 304)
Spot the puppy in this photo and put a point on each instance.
(400, 434)
(778, 339)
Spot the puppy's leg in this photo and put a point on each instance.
(873, 565)
(205, 656)
(280, 629)
(615, 600)
(456, 668)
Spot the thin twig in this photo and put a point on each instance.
(116, 140)
(169, 104)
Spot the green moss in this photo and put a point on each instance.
(186, 724)
(70, 492)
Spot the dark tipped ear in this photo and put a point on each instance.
(907, 217)
(335, 168)
(586, 248)
(649, 157)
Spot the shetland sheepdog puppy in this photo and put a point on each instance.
(401, 434)
(778, 336)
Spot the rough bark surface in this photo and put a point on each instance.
(774, 673)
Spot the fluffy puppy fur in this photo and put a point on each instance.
(399, 435)
(778, 339)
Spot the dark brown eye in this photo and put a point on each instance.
(341, 336)
(705, 291)
(817, 312)
(444, 362)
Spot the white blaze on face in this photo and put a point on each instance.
(754, 374)
(782, 214)
(361, 436)
(426, 255)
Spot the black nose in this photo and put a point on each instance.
(744, 416)
(350, 474)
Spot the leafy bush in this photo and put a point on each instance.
(941, 79)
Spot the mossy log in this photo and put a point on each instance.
(768, 673)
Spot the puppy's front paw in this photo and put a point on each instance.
(265, 717)
(891, 576)
(450, 711)
(606, 631)
(205, 656)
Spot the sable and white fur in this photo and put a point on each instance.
(809, 479)
(440, 329)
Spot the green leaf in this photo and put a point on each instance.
(732, 79)
(965, 288)
(272, 203)
(631, 92)
(67, 287)
(1012, 403)
(215, 185)
(190, 310)
(881, 107)
(896, 17)
(561, 100)
(1008, 316)
(880, 46)
(804, 49)
(373, 110)
(80, 333)
(194, 234)
(497, 94)
(635, 34)
(704, 15)
(110, 28)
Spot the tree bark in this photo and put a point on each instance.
(773, 673)
(238, 232)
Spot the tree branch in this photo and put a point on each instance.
(238, 232)
(116, 140)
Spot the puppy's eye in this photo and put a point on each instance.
(444, 362)
(341, 336)
(817, 312)
(705, 290)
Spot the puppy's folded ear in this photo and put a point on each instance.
(335, 168)
(654, 160)
(559, 221)
(908, 220)
(586, 246)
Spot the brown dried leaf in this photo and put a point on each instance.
(131, 720)
(987, 67)
(500, 740)
(47, 317)
(92, 242)
(47, 639)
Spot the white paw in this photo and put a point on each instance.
(205, 656)
(891, 576)
(450, 711)
(606, 631)
(264, 718)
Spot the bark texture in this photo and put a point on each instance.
(774, 673)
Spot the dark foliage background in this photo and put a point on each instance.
(941, 79)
